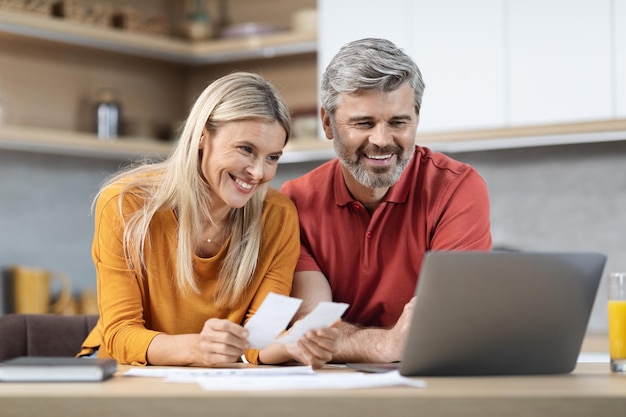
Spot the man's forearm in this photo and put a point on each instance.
(372, 344)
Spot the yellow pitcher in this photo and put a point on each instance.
(32, 290)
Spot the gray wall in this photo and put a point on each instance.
(560, 198)
(551, 198)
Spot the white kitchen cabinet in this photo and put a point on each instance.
(457, 45)
(560, 61)
(619, 20)
(346, 20)
(498, 63)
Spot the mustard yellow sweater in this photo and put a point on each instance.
(133, 310)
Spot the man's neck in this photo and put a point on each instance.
(369, 197)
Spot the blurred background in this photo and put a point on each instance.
(531, 93)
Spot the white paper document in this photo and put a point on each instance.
(324, 314)
(270, 319)
(594, 357)
(190, 374)
(277, 311)
(320, 380)
(273, 378)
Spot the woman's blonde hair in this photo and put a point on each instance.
(177, 184)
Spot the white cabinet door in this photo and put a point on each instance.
(457, 44)
(497, 63)
(560, 61)
(619, 20)
(346, 20)
(459, 47)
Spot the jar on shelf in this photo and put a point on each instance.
(108, 114)
(197, 24)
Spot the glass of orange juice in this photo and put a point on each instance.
(617, 321)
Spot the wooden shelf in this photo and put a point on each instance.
(267, 46)
(612, 130)
(60, 142)
(49, 141)
(314, 149)
(157, 47)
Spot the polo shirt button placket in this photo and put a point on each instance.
(368, 234)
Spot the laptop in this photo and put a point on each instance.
(499, 313)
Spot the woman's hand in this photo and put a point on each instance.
(316, 347)
(220, 341)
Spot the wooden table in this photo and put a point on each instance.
(591, 390)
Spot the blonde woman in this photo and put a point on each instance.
(187, 249)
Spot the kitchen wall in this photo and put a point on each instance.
(569, 197)
(559, 198)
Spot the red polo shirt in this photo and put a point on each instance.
(373, 262)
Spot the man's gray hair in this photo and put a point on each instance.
(369, 64)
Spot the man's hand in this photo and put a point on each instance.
(316, 347)
(374, 344)
(394, 349)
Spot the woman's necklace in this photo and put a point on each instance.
(218, 237)
(215, 234)
(211, 243)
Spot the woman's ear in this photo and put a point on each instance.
(203, 138)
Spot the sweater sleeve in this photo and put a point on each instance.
(279, 254)
(123, 335)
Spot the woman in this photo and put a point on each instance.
(187, 249)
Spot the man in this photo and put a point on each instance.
(368, 217)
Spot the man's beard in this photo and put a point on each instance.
(383, 177)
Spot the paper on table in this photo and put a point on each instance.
(178, 373)
(323, 315)
(270, 319)
(594, 357)
(273, 378)
(330, 380)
